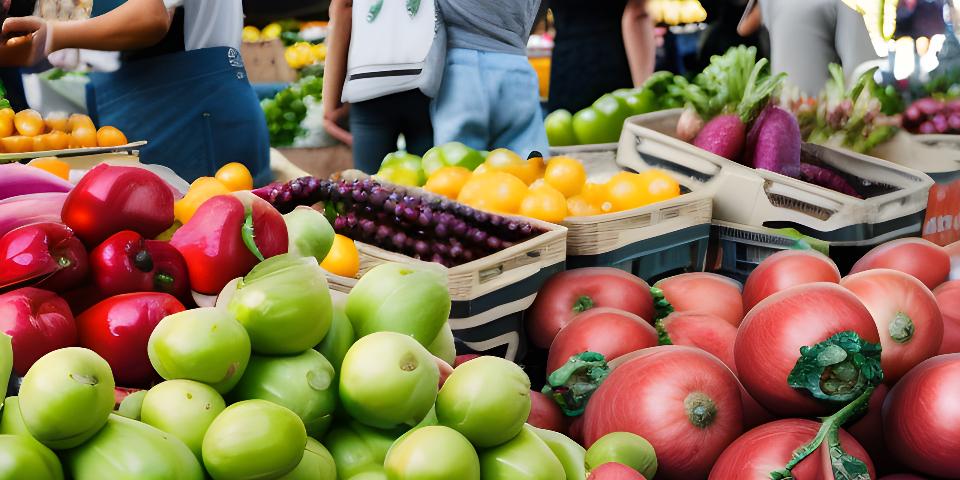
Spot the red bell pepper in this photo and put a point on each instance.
(118, 329)
(226, 237)
(46, 254)
(109, 199)
(39, 322)
(126, 263)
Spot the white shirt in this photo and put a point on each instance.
(210, 23)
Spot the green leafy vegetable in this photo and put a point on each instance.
(572, 384)
(661, 305)
(838, 369)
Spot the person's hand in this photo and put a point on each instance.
(25, 41)
(332, 119)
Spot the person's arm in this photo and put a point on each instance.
(638, 41)
(335, 68)
(751, 20)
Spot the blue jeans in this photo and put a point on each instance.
(489, 100)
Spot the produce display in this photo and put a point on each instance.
(676, 12)
(27, 131)
(295, 114)
(304, 42)
(931, 116)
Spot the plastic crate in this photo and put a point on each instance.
(489, 295)
(936, 155)
(897, 196)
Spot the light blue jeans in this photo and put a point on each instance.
(489, 100)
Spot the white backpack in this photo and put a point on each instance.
(395, 46)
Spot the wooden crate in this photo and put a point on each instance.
(265, 63)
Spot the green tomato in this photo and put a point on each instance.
(394, 297)
(387, 380)
(309, 233)
(184, 409)
(130, 450)
(317, 464)
(401, 176)
(486, 399)
(254, 439)
(303, 383)
(6, 363)
(433, 453)
(131, 405)
(569, 452)
(338, 340)
(372, 473)
(559, 125)
(525, 457)
(207, 345)
(284, 303)
(638, 100)
(356, 447)
(66, 397)
(453, 154)
(444, 347)
(402, 159)
(591, 128)
(22, 457)
(11, 420)
(627, 448)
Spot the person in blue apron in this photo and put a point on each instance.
(182, 85)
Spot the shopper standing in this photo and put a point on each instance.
(384, 62)
(182, 85)
(490, 96)
(600, 47)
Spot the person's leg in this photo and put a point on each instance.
(374, 132)
(416, 126)
(517, 117)
(461, 111)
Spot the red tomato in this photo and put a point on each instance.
(118, 329)
(786, 269)
(704, 331)
(684, 401)
(921, 417)
(445, 369)
(920, 258)
(38, 322)
(568, 293)
(461, 359)
(948, 298)
(615, 471)
(907, 317)
(770, 337)
(753, 413)
(954, 251)
(704, 293)
(607, 331)
(545, 413)
(576, 429)
(769, 447)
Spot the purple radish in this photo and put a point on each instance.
(752, 136)
(940, 123)
(723, 135)
(827, 179)
(912, 116)
(954, 122)
(928, 106)
(777, 147)
(927, 128)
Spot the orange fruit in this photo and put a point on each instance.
(343, 258)
(40, 143)
(78, 120)
(565, 174)
(544, 202)
(493, 191)
(83, 137)
(58, 122)
(6, 122)
(17, 144)
(448, 181)
(201, 190)
(53, 165)
(110, 137)
(29, 123)
(503, 160)
(659, 185)
(235, 177)
(579, 206)
(57, 140)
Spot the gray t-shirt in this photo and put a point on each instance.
(489, 25)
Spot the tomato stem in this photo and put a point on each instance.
(63, 262)
(582, 304)
(844, 465)
(901, 328)
(572, 384)
(661, 305)
(162, 281)
(142, 261)
(663, 338)
(701, 410)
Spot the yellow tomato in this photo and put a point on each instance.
(493, 191)
(83, 137)
(201, 190)
(251, 34)
(110, 137)
(545, 203)
(579, 206)
(78, 120)
(503, 160)
(626, 190)
(58, 122)
(16, 144)
(565, 174)
(448, 181)
(343, 258)
(6, 122)
(52, 165)
(271, 32)
(29, 123)
(659, 185)
(57, 140)
(235, 177)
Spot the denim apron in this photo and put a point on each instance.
(196, 109)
